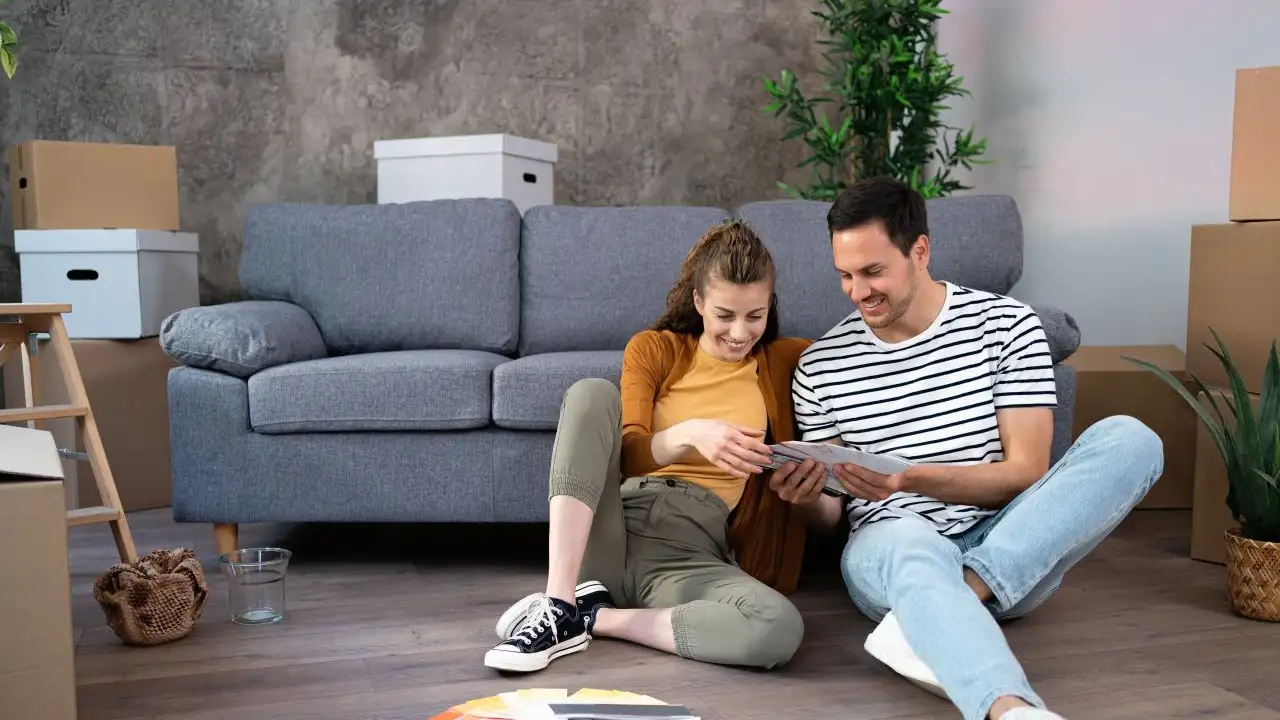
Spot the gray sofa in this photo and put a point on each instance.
(406, 362)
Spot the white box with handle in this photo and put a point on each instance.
(467, 166)
(121, 283)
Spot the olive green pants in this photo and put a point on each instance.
(661, 543)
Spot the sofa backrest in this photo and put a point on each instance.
(471, 274)
(412, 276)
(591, 277)
(975, 240)
(809, 298)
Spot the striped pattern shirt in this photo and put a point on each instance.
(929, 399)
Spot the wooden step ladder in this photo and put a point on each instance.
(21, 325)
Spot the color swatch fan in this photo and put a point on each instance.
(558, 704)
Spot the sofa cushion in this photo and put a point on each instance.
(241, 338)
(1061, 330)
(527, 391)
(440, 274)
(404, 390)
(591, 277)
(976, 242)
(810, 301)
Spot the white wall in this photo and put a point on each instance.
(1110, 124)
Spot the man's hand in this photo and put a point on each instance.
(1026, 435)
(867, 485)
(799, 484)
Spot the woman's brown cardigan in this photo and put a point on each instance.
(766, 533)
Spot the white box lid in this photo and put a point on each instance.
(29, 453)
(104, 241)
(494, 144)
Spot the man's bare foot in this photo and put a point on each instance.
(979, 587)
(1004, 704)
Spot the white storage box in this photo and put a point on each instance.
(121, 284)
(466, 166)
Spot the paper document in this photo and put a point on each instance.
(828, 454)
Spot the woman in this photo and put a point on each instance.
(692, 553)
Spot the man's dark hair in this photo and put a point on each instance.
(885, 200)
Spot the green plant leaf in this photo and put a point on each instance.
(1214, 428)
(1244, 404)
(1269, 399)
(8, 62)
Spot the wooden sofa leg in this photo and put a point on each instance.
(227, 536)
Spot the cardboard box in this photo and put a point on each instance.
(65, 434)
(127, 384)
(74, 185)
(121, 284)
(37, 644)
(1233, 289)
(1210, 516)
(1255, 146)
(1107, 384)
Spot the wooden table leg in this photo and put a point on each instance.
(227, 536)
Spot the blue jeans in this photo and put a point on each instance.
(1021, 554)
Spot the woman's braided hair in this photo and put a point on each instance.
(730, 251)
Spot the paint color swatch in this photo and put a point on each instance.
(559, 704)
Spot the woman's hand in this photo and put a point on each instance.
(737, 449)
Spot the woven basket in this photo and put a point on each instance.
(1253, 577)
(157, 599)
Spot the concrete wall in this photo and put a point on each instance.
(1110, 123)
(281, 100)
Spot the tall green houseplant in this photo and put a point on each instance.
(886, 86)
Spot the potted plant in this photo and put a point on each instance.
(8, 49)
(887, 86)
(1248, 440)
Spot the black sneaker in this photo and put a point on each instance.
(589, 595)
(551, 628)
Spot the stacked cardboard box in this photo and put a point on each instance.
(97, 225)
(37, 655)
(60, 185)
(126, 381)
(1233, 289)
(1109, 383)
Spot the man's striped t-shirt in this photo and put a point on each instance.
(930, 399)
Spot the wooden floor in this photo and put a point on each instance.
(392, 623)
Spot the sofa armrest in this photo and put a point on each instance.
(1062, 331)
(240, 338)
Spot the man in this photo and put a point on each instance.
(980, 530)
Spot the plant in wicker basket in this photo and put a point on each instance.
(156, 599)
(1248, 440)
